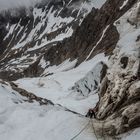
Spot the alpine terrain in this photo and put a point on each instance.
(61, 59)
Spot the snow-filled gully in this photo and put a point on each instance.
(46, 102)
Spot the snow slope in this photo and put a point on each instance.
(57, 87)
(32, 122)
(21, 120)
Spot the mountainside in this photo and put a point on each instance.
(28, 34)
(61, 57)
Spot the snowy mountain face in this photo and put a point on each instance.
(27, 34)
(52, 32)
(62, 57)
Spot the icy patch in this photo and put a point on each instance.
(124, 4)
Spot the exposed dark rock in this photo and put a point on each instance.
(33, 70)
(104, 71)
(124, 62)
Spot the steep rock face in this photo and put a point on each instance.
(119, 94)
(119, 102)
